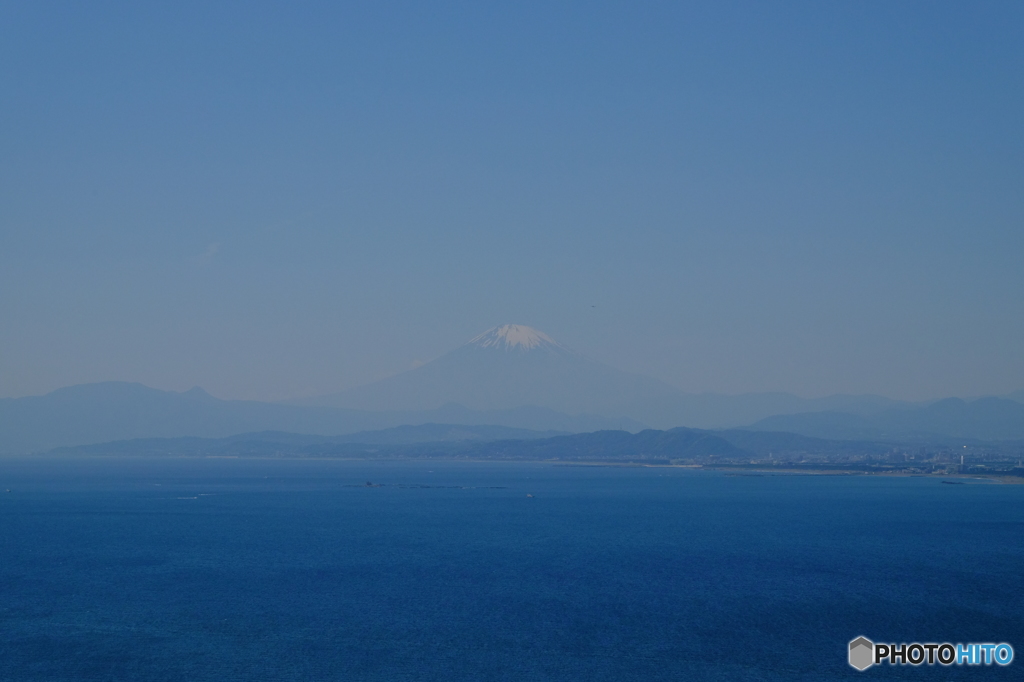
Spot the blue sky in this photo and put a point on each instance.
(281, 200)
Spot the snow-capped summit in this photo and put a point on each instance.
(508, 367)
(513, 336)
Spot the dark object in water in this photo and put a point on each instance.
(953, 482)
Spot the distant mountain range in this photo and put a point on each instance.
(99, 413)
(514, 365)
(503, 368)
(491, 442)
(510, 376)
(987, 419)
(435, 438)
(439, 440)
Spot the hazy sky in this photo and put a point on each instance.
(280, 200)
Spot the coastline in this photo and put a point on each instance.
(736, 470)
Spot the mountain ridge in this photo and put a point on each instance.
(989, 418)
(515, 365)
(108, 411)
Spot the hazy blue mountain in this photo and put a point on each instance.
(447, 441)
(278, 443)
(92, 413)
(783, 445)
(440, 441)
(98, 413)
(526, 417)
(649, 445)
(513, 366)
(716, 410)
(511, 376)
(444, 433)
(988, 419)
(839, 425)
(507, 367)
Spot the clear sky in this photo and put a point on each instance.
(281, 200)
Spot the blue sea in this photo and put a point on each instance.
(218, 569)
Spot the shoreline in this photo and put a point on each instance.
(749, 470)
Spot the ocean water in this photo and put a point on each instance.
(296, 570)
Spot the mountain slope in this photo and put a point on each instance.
(514, 365)
(646, 446)
(397, 440)
(503, 368)
(99, 413)
(92, 413)
(990, 419)
(442, 441)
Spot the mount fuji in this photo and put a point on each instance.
(508, 367)
(514, 366)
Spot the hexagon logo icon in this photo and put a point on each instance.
(862, 653)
